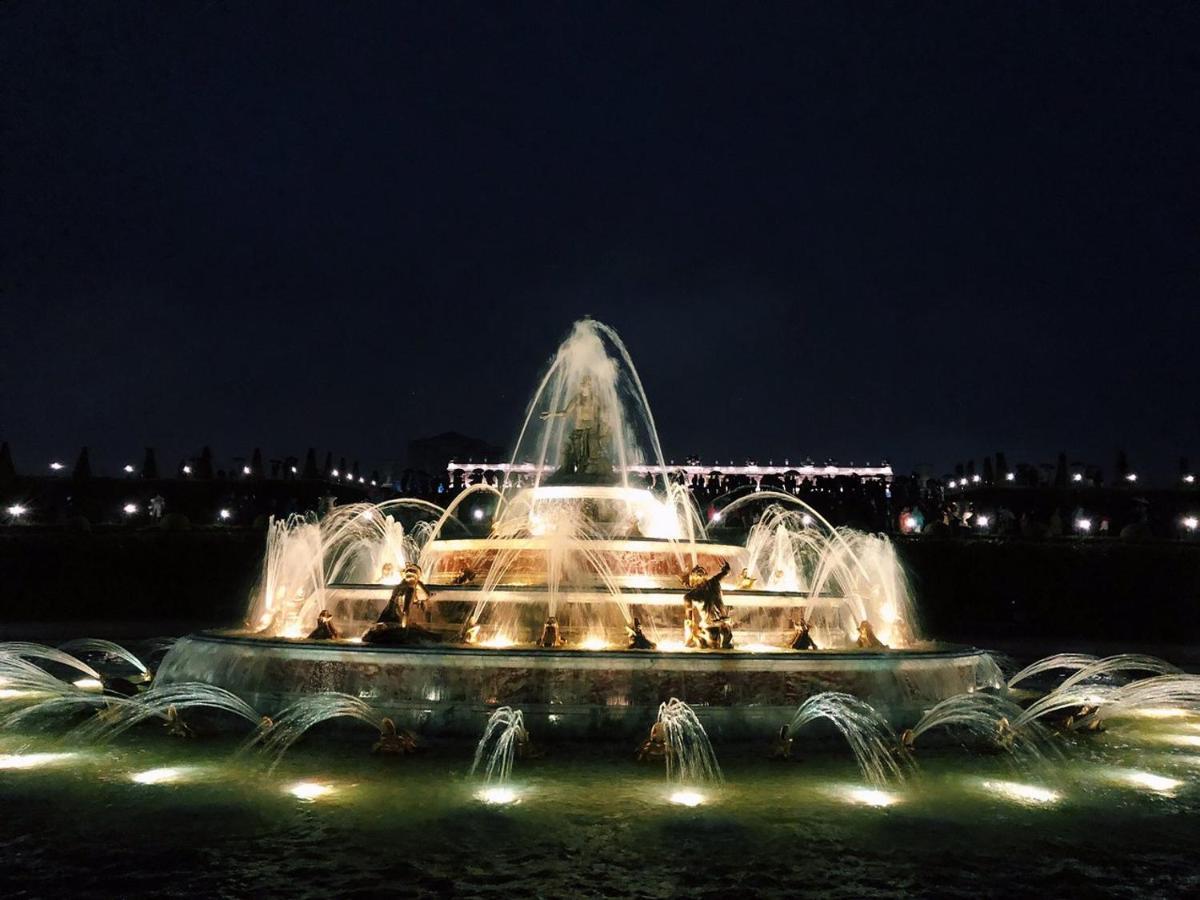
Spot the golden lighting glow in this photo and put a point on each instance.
(497, 796)
(671, 646)
(593, 642)
(1160, 712)
(88, 684)
(498, 641)
(868, 796)
(756, 648)
(1029, 794)
(687, 798)
(1160, 784)
(33, 760)
(308, 791)
(165, 775)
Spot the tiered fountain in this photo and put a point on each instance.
(538, 614)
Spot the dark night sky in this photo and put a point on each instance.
(925, 231)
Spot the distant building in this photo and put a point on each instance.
(434, 454)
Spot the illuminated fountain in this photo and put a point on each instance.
(574, 603)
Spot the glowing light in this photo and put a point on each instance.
(806, 519)
(976, 479)
(687, 798)
(293, 470)
(1131, 477)
(129, 468)
(308, 791)
(1160, 712)
(225, 514)
(1078, 476)
(129, 508)
(16, 510)
(1182, 740)
(355, 640)
(372, 480)
(498, 641)
(88, 684)
(1083, 524)
(187, 470)
(593, 642)
(497, 796)
(361, 480)
(758, 648)
(982, 521)
(1160, 784)
(1189, 479)
(1191, 523)
(953, 484)
(246, 470)
(1009, 476)
(56, 466)
(1022, 793)
(910, 523)
(716, 517)
(165, 775)
(33, 760)
(334, 473)
(868, 797)
(477, 514)
(671, 646)
(368, 514)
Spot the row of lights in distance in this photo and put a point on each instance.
(246, 470)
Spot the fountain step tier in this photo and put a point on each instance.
(620, 563)
(511, 614)
(451, 691)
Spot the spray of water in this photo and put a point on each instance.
(690, 757)
(870, 737)
(497, 749)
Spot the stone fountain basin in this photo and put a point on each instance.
(571, 693)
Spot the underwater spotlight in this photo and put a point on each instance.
(33, 760)
(868, 796)
(1159, 784)
(497, 796)
(593, 642)
(308, 791)
(165, 775)
(1022, 793)
(687, 798)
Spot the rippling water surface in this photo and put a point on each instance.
(156, 815)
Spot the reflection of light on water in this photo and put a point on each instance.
(88, 684)
(33, 760)
(1022, 793)
(1160, 712)
(1136, 778)
(309, 790)
(165, 775)
(497, 796)
(1181, 740)
(593, 642)
(687, 798)
(867, 796)
(499, 641)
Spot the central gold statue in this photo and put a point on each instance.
(585, 448)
